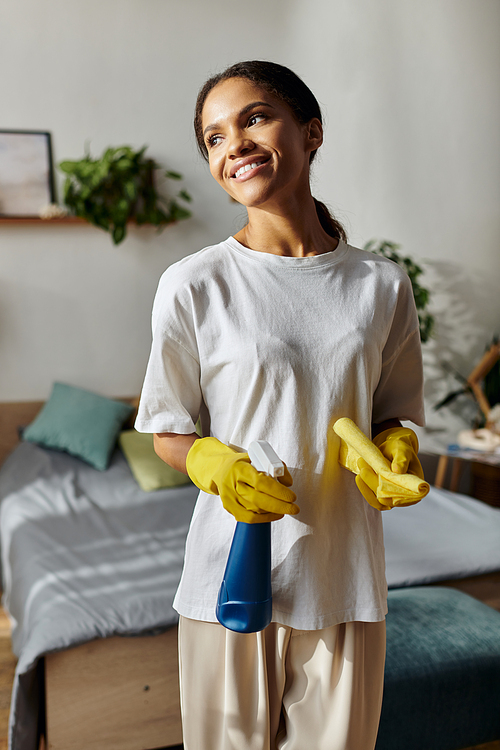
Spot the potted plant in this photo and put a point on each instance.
(120, 187)
(391, 250)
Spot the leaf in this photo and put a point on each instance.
(85, 192)
(173, 175)
(426, 325)
(67, 166)
(185, 196)
(124, 164)
(130, 190)
(449, 368)
(177, 212)
(450, 398)
(67, 189)
(119, 233)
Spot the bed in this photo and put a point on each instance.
(90, 564)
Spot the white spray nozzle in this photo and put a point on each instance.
(264, 458)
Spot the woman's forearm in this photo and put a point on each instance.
(173, 448)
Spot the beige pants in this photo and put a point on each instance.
(281, 689)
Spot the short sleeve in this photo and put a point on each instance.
(399, 392)
(171, 395)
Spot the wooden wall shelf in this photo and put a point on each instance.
(38, 220)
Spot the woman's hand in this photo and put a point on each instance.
(250, 496)
(388, 472)
(399, 445)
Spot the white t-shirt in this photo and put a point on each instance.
(277, 348)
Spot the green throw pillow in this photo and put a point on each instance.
(79, 422)
(148, 469)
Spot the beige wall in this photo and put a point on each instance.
(411, 154)
(411, 95)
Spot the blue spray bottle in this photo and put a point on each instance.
(244, 603)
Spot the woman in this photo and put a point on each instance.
(274, 334)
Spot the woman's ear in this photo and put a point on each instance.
(314, 134)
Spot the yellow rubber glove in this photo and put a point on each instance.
(388, 471)
(249, 495)
(400, 446)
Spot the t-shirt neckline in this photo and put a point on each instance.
(310, 261)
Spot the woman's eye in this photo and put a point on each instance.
(213, 140)
(254, 119)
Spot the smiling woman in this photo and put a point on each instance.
(274, 334)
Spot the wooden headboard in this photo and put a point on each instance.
(16, 414)
(13, 415)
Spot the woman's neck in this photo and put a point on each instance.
(295, 232)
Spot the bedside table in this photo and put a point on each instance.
(485, 473)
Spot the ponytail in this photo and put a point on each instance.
(331, 226)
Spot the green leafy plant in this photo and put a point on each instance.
(120, 187)
(391, 250)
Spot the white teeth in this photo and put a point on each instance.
(247, 168)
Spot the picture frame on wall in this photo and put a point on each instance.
(26, 172)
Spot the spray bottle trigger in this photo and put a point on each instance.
(264, 458)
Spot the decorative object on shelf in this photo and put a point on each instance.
(52, 211)
(120, 187)
(483, 384)
(391, 250)
(26, 172)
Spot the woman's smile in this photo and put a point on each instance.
(245, 169)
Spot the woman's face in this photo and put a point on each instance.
(258, 152)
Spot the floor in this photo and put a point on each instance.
(7, 669)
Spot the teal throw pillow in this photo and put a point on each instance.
(79, 422)
(150, 472)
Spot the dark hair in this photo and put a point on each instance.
(284, 84)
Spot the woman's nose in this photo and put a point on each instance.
(239, 143)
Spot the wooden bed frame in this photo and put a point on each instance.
(123, 693)
(111, 693)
